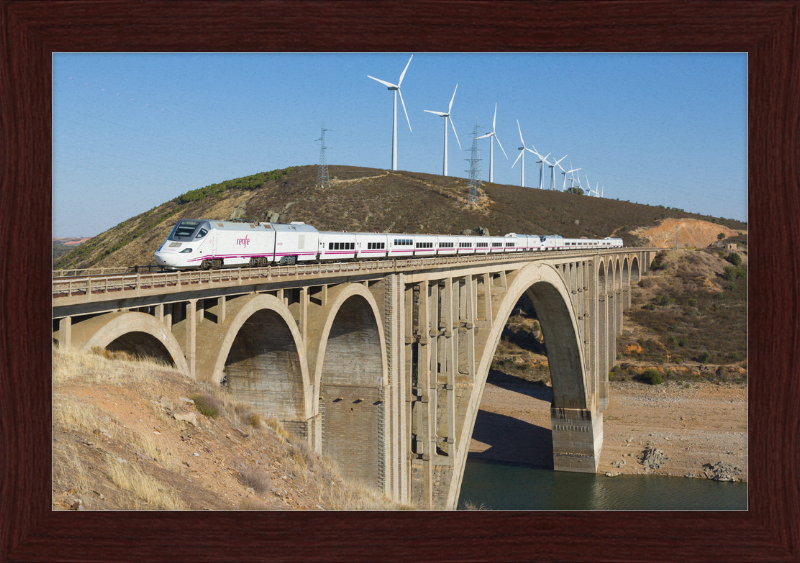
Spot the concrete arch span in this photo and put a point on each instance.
(576, 426)
(350, 371)
(259, 351)
(136, 333)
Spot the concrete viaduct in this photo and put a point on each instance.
(379, 364)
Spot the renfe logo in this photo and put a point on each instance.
(243, 241)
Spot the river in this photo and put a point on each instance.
(512, 486)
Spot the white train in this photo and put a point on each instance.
(203, 243)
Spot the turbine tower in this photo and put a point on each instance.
(553, 172)
(396, 89)
(572, 178)
(541, 162)
(446, 119)
(522, 150)
(494, 137)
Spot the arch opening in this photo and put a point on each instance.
(141, 345)
(351, 405)
(263, 367)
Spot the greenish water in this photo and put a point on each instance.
(509, 486)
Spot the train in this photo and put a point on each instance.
(205, 244)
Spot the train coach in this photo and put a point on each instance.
(204, 244)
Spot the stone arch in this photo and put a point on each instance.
(350, 371)
(551, 297)
(137, 333)
(625, 273)
(263, 358)
(635, 275)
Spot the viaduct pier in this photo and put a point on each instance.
(380, 364)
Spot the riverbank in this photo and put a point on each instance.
(696, 431)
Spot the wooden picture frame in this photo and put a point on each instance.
(769, 31)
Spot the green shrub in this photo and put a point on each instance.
(206, 404)
(650, 376)
(704, 357)
(683, 341)
(692, 302)
(719, 295)
(665, 300)
(721, 253)
(720, 236)
(649, 306)
(734, 259)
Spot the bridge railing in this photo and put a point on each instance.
(104, 271)
(125, 282)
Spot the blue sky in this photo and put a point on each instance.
(131, 131)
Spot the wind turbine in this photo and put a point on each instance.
(541, 162)
(522, 150)
(565, 172)
(396, 89)
(553, 171)
(446, 119)
(494, 136)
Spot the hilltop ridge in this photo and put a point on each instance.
(374, 200)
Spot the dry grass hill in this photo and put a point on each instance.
(135, 435)
(363, 199)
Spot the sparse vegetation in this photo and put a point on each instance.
(123, 438)
(650, 376)
(207, 404)
(371, 200)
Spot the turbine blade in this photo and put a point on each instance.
(515, 162)
(404, 72)
(450, 119)
(520, 133)
(382, 81)
(494, 121)
(484, 136)
(498, 142)
(451, 100)
(439, 113)
(560, 159)
(404, 105)
(545, 160)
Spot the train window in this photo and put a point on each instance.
(202, 233)
(186, 228)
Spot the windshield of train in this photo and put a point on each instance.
(184, 230)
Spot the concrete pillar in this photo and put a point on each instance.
(403, 469)
(167, 320)
(65, 332)
(424, 385)
(470, 286)
(619, 305)
(451, 367)
(221, 309)
(159, 313)
(487, 295)
(612, 330)
(602, 351)
(191, 336)
(577, 439)
(410, 346)
(200, 313)
(433, 387)
(303, 321)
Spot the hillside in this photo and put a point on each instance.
(134, 435)
(364, 199)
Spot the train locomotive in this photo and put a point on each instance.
(205, 244)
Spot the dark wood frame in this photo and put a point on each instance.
(32, 30)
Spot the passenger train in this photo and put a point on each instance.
(204, 244)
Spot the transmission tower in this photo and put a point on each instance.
(322, 172)
(474, 167)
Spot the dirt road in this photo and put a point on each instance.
(701, 430)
